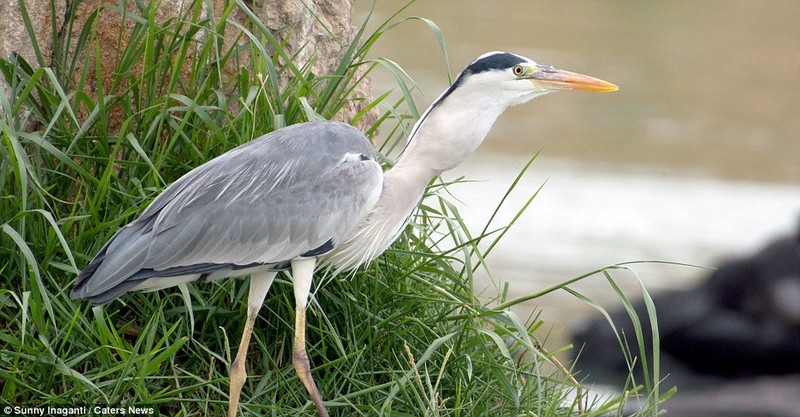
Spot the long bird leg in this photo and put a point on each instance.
(259, 286)
(302, 273)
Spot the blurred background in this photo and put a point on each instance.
(695, 159)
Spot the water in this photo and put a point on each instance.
(590, 215)
(696, 158)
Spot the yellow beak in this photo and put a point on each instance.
(556, 79)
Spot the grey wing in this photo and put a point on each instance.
(293, 193)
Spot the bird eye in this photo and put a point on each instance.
(518, 70)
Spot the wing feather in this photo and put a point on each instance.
(265, 202)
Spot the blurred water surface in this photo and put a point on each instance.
(696, 158)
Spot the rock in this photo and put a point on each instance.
(14, 35)
(319, 31)
(312, 30)
(736, 336)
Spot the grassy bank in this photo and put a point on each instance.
(405, 336)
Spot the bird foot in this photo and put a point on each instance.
(303, 369)
(300, 360)
(238, 377)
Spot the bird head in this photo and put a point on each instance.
(513, 79)
(459, 120)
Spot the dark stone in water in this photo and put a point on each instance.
(731, 345)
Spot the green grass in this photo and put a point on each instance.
(404, 337)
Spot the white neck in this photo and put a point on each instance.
(444, 137)
(446, 134)
(450, 131)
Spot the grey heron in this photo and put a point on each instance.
(307, 195)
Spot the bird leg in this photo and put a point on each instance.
(259, 286)
(302, 273)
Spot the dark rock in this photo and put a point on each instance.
(731, 345)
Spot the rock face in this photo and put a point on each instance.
(14, 35)
(731, 345)
(318, 30)
(306, 23)
(309, 35)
